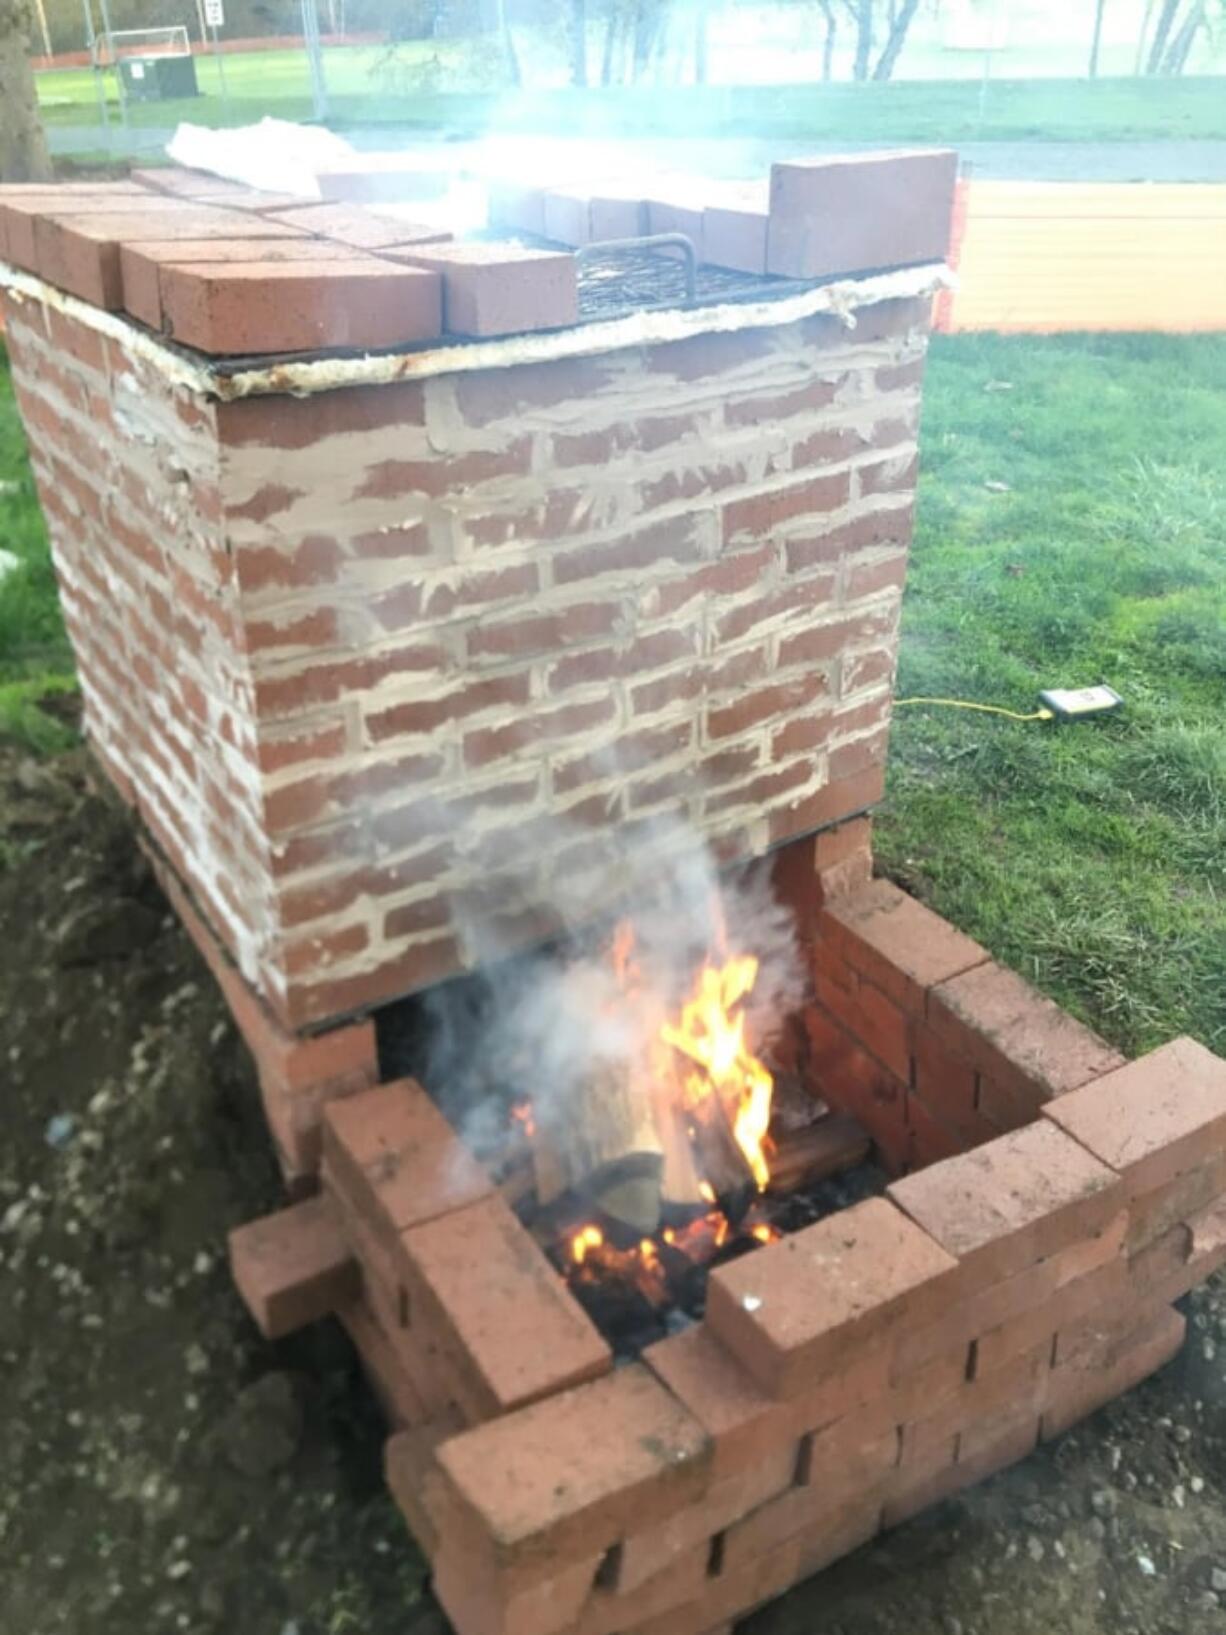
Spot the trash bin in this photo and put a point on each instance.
(158, 78)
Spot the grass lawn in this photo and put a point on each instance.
(1091, 858)
(447, 87)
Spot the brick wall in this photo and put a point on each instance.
(128, 474)
(387, 664)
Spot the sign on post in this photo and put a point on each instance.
(215, 13)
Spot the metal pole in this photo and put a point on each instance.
(42, 23)
(221, 73)
(204, 33)
(105, 10)
(91, 43)
(310, 39)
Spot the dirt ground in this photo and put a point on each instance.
(165, 1469)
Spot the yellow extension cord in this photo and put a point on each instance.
(986, 709)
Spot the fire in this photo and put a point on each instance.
(585, 1240)
(711, 1035)
(521, 1112)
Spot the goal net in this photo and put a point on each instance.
(141, 42)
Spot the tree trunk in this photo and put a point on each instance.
(862, 13)
(23, 146)
(1139, 63)
(700, 43)
(1099, 7)
(1181, 46)
(578, 42)
(896, 40)
(1162, 29)
(612, 37)
(832, 28)
(509, 53)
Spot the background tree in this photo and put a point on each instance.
(1099, 7)
(23, 146)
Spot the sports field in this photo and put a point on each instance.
(449, 87)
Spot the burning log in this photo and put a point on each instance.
(606, 1147)
(721, 1158)
(804, 1157)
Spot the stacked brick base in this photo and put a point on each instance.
(845, 1377)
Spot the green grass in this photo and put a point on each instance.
(1092, 858)
(34, 654)
(453, 88)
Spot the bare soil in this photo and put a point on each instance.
(165, 1469)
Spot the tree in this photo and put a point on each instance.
(1097, 41)
(900, 22)
(578, 42)
(23, 146)
(1174, 36)
(832, 28)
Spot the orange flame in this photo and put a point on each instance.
(711, 1034)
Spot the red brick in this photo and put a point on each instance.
(855, 212)
(947, 1082)
(969, 1316)
(544, 727)
(643, 1555)
(764, 704)
(898, 944)
(787, 601)
(577, 1472)
(485, 1285)
(822, 643)
(997, 1447)
(283, 307)
(874, 1020)
(80, 251)
(539, 635)
(350, 225)
(734, 233)
(284, 422)
(1015, 1035)
(1105, 1287)
(396, 1393)
(499, 289)
(1100, 1361)
(678, 539)
(677, 216)
(396, 1157)
(1012, 1201)
(790, 1309)
(523, 208)
(764, 513)
(1153, 1119)
(814, 1513)
(483, 1602)
(1151, 1213)
(858, 1084)
(411, 1471)
(141, 264)
(610, 1612)
(428, 715)
(293, 1267)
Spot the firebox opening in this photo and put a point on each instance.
(645, 1101)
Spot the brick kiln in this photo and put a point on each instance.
(431, 597)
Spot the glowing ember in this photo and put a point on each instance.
(521, 1112)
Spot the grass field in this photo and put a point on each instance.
(435, 88)
(1091, 858)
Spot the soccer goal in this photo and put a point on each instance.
(117, 44)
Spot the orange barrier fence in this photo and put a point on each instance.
(1039, 257)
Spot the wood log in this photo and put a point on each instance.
(804, 1157)
(604, 1145)
(720, 1159)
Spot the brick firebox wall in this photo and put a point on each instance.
(388, 663)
